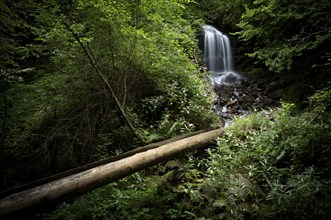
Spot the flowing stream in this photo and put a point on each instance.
(218, 56)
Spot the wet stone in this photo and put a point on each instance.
(236, 99)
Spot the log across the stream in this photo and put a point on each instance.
(54, 192)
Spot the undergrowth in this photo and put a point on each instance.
(272, 164)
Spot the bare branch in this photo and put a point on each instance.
(101, 76)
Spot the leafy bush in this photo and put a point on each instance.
(272, 164)
(289, 39)
(275, 164)
(135, 197)
(67, 117)
(284, 31)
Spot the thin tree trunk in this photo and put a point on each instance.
(74, 185)
(101, 76)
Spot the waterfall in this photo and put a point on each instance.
(218, 56)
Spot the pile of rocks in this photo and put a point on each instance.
(233, 100)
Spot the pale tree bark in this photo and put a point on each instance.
(97, 163)
(74, 185)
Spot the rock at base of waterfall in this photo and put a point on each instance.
(238, 98)
(225, 78)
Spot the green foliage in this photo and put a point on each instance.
(222, 13)
(135, 197)
(270, 164)
(287, 35)
(15, 32)
(62, 113)
(321, 101)
(274, 164)
(55, 122)
(150, 43)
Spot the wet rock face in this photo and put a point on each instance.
(237, 99)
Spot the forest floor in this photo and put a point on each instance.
(255, 170)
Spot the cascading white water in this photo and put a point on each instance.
(218, 56)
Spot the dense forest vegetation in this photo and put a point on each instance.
(83, 80)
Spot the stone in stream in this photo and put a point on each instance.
(237, 99)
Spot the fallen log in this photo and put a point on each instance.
(95, 164)
(52, 193)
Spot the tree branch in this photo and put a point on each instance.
(101, 76)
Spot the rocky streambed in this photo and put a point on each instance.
(237, 99)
